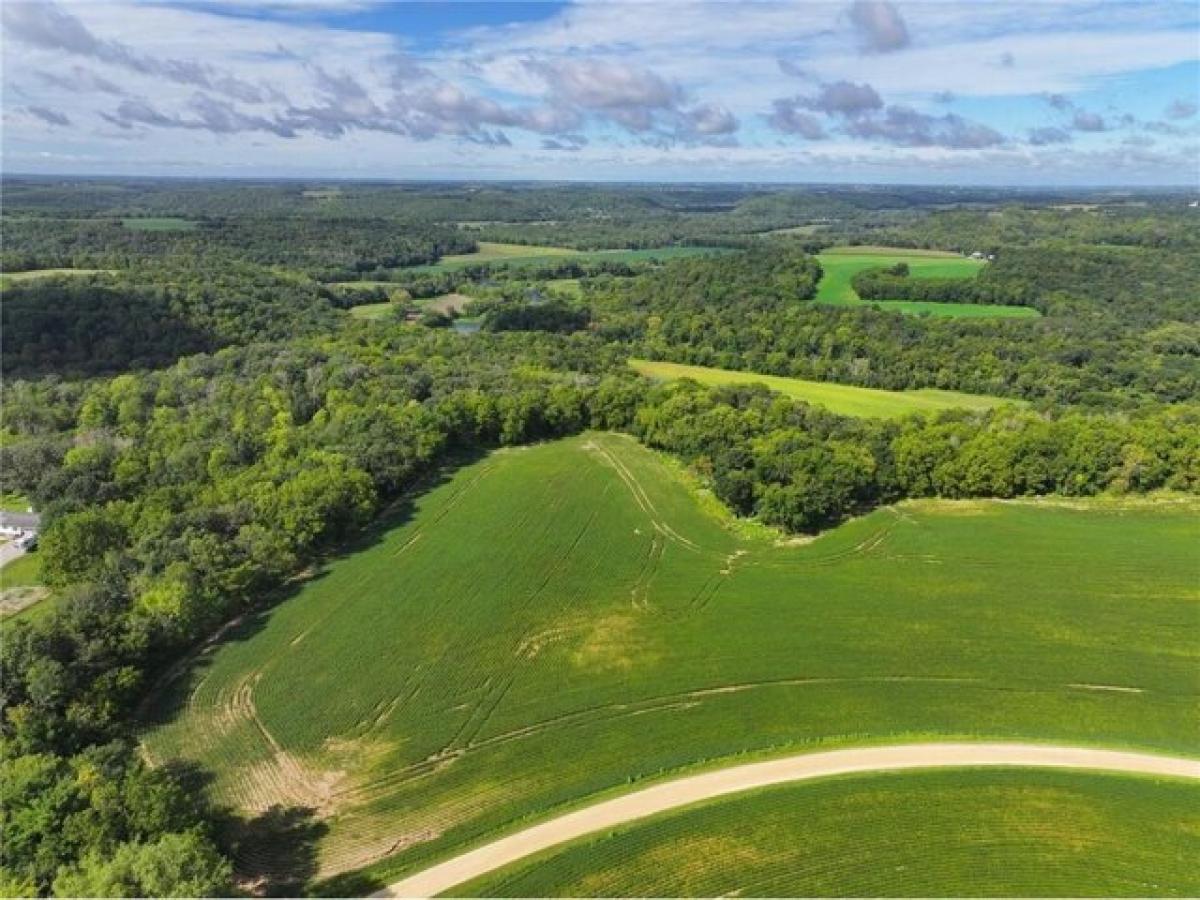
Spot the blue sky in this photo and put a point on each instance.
(1044, 92)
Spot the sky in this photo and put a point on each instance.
(993, 93)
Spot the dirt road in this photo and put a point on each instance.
(693, 788)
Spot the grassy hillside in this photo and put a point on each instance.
(841, 264)
(845, 399)
(926, 834)
(558, 621)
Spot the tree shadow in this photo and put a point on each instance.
(275, 853)
(349, 884)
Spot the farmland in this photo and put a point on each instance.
(846, 400)
(841, 264)
(490, 253)
(609, 625)
(374, 311)
(952, 833)
(331, 606)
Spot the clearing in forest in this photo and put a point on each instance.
(554, 622)
(843, 399)
(448, 303)
(383, 310)
(840, 264)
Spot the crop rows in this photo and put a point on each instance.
(556, 621)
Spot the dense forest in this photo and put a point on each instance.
(205, 423)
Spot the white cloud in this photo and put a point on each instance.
(238, 89)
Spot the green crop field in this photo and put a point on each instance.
(967, 833)
(841, 264)
(844, 399)
(605, 622)
(520, 254)
(159, 223)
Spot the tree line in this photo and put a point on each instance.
(1101, 345)
(800, 469)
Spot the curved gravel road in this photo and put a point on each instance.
(691, 789)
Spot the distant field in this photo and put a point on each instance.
(608, 624)
(876, 250)
(444, 303)
(844, 399)
(795, 229)
(966, 833)
(841, 264)
(31, 274)
(448, 302)
(373, 310)
(159, 223)
(521, 254)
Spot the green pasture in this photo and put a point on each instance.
(840, 264)
(957, 833)
(521, 254)
(844, 399)
(551, 623)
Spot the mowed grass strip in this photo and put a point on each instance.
(844, 399)
(553, 623)
(841, 264)
(959, 833)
